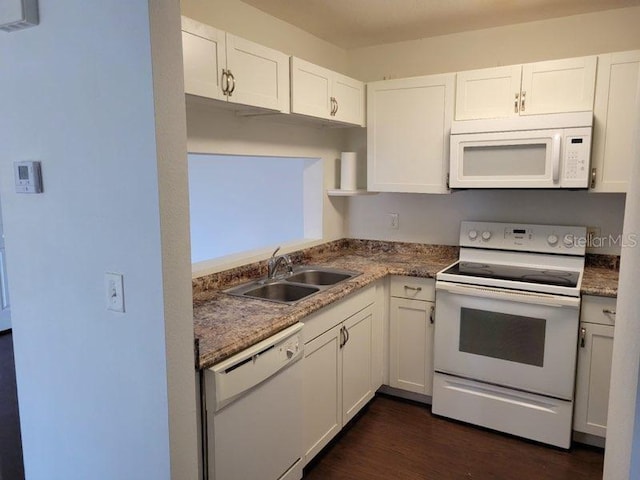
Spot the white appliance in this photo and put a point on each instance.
(254, 411)
(538, 151)
(506, 331)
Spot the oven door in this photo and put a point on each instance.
(522, 340)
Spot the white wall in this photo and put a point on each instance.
(240, 19)
(240, 203)
(622, 455)
(102, 395)
(435, 219)
(588, 34)
(215, 130)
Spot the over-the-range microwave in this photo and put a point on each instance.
(537, 151)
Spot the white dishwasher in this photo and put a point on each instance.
(254, 411)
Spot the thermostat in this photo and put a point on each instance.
(28, 177)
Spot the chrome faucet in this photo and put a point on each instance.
(275, 262)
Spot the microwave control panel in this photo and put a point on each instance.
(576, 155)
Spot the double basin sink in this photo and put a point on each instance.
(291, 288)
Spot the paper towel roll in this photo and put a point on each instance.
(348, 171)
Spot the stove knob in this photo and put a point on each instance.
(473, 234)
(552, 239)
(568, 240)
(486, 235)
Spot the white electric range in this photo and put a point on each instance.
(507, 315)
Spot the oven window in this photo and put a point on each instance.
(501, 335)
(505, 160)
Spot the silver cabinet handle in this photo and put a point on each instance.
(416, 289)
(337, 106)
(233, 82)
(333, 106)
(593, 178)
(342, 338)
(225, 82)
(583, 336)
(608, 311)
(346, 334)
(516, 102)
(522, 100)
(432, 313)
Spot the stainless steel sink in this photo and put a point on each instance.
(281, 292)
(302, 283)
(318, 277)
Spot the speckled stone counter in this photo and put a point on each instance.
(225, 325)
(601, 275)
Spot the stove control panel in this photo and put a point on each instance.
(566, 240)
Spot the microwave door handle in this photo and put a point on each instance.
(556, 157)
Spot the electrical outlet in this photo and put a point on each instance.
(114, 292)
(394, 221)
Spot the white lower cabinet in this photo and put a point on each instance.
(595, 349)
(338, 365)
(411, 324)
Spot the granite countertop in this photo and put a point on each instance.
(225, 325)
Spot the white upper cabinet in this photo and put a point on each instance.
(224, 67)
(322, 93)
(614, 117)
(488, 93)
(409, 122)
(544, 87)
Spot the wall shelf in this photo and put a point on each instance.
(349, 193)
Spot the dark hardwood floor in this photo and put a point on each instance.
(396, 439)
(11, 467)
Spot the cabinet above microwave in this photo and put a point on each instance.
(546, 151)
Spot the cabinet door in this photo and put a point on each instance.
(614, 118)
(408, 127)
(322, 391)
(260, 75)
(593, 378)
(488, 93)
(349, 96)
(203, 51)
(558, 86)
(310, 89)
(411, 345)
(356, 363)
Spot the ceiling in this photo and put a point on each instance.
(359, 23)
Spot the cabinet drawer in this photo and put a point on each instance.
(413, 287)
(598, 310)
(328, 317)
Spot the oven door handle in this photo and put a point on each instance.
(509, 295)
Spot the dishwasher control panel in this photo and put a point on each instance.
(243, 371)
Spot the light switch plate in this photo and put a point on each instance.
(114, 291)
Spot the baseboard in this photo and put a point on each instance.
(396, 392)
